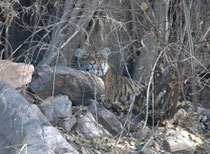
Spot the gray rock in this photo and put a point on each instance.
(52, 137)
(89, 128)
(143, 133)
(62, 106)
(80, 86)
(68, 124)
(179, 142)
(205, 112)
(3, 145)
(25, 128)
(48, 110)
(109, 121)
(147, 148)
(58, 107)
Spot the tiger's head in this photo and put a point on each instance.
(96, 63)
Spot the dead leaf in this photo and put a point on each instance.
(144, 6)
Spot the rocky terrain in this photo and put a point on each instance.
(58, 111)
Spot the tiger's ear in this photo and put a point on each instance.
(78, 52)
(106, 52)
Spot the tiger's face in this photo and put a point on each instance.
(96, 63)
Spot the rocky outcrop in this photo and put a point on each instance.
(24, 129)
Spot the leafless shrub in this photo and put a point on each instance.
(135, 31)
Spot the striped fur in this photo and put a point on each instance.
(118, 88)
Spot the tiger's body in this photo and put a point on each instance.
(117, 88)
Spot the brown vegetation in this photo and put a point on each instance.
(163, 45)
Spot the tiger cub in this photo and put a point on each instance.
(117, 88)
(96, 63)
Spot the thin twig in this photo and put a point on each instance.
(191, 47)
(148, 88)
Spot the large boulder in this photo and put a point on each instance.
(24, 129)
(78, 85)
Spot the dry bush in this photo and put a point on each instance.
(137, 32)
